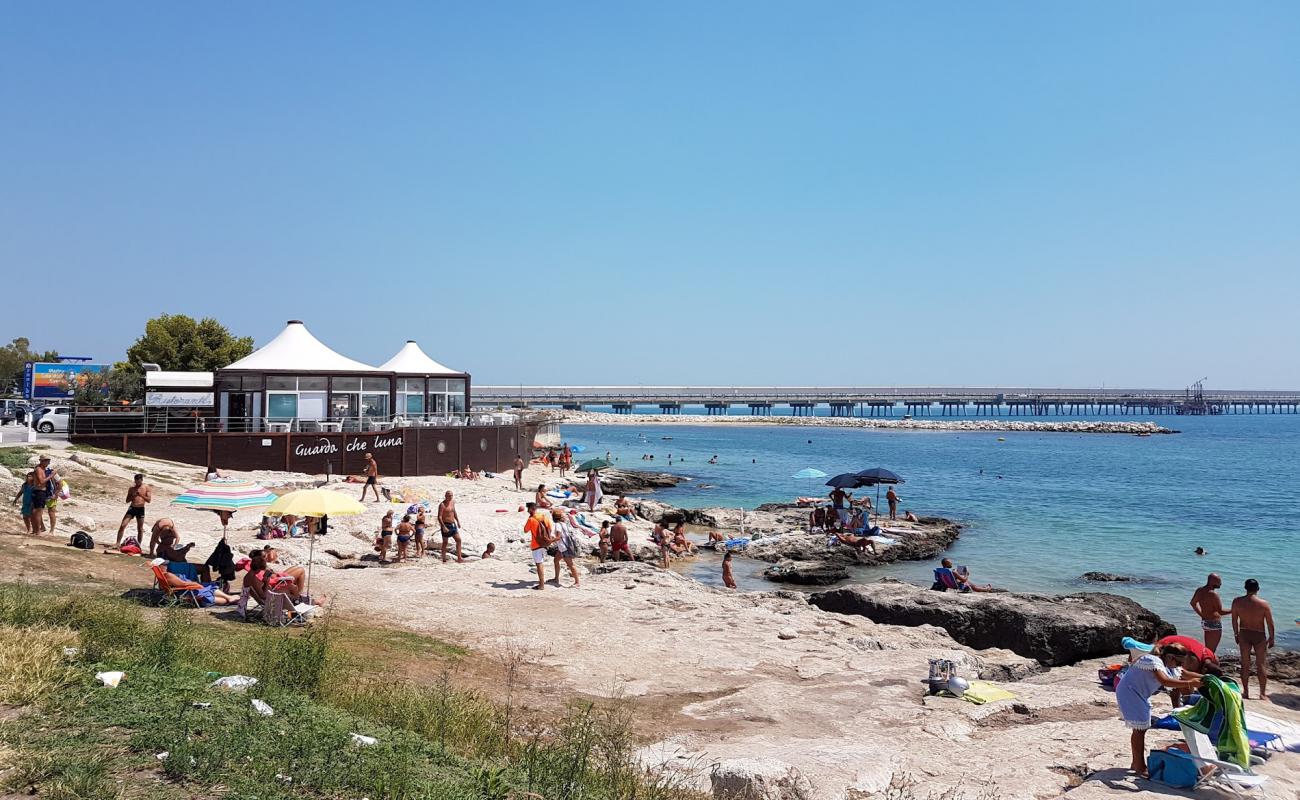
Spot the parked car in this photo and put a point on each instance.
(12, 410)
(54, 418)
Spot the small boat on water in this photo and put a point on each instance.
(907, 416)
(666, 438)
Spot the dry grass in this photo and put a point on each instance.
(32, 664)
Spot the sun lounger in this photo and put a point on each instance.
(1261, 740)
(1216, 773)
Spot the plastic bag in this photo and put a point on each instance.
(234, 683)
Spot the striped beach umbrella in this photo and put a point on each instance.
(226, 495)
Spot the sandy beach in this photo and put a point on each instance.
(945, 424)
(720, 678)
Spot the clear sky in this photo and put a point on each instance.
(880, 193)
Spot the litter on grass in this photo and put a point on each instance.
(234, 683)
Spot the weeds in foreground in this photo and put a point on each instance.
(16, 459)
(79, 740)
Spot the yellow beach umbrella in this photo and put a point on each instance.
(315, 503)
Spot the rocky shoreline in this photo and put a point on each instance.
(965, 425)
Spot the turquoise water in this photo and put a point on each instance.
(1040, 509)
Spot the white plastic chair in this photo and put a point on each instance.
(1221, 774)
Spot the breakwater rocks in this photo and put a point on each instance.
(914, 541)
(970, 425)
(1055, 630)
(631, 481)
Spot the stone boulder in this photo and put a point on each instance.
(1283, 666)
(758, 779)
(654, 511)
(628, 481)
(1055, 630)
(1104, 577)
(807, 573)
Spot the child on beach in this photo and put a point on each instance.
(1162, 667)
(727, 579)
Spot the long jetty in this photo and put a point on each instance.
(846, 401)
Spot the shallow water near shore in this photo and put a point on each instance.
(1039, 509)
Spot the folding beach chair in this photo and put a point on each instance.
(280, 611)
(1214, 772)
(943, 577)
(245, 597)
(184, 596)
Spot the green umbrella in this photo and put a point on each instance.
(595, 463)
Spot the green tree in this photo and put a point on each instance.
(125, 382)
(14, 356)
(177, 342)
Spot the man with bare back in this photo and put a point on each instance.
(1209, 607)
(372, 478)
(1252, 625)
(449, 521)
(138, 494)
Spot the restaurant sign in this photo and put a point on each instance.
(174, 399)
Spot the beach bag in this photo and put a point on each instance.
(82, 541)
(64, 492)
(1109, 675)
(1172, 768)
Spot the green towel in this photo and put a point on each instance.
(1218, 695)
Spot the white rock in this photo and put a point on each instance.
(787, 634)
(758, 779)
(82, 522)
(5, 473)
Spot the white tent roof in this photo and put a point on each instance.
(297, 350)
(411, 360)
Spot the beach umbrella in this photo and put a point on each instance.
(845, 480)
(809, 472)
(315, 503)
(876, 476)
(226, 496)
(595, 463)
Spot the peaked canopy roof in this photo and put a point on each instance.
(295, 349)
(411, 360)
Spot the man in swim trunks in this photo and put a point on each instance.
(1252, 626)
(372, 478)
(449, 521)
(159, 528)
(137, 495)
(618, 548)
(1209, 607)
(892, 498)
(840, 499)
(519, 473)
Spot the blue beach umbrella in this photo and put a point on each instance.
(876, 476)
(809, 472)
(846, 480)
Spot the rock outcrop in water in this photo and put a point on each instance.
(1104, 577)
(807, 573)
(1055, 630)
(912, 542)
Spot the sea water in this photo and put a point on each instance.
(1038, 509)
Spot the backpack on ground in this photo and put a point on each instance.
(82, 541)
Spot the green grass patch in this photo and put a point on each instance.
(16, 458)
(326, 683)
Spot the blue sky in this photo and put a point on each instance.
(669, 192)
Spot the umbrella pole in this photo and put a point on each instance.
(311, 552)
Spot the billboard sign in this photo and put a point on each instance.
(46, 381)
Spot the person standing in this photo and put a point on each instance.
(138, 495)
(46, 494)
(385, 536)
(1209, 607)
(840, 500)
(31, 519)
(594, 494)
(566, 546)
(538, 528)
(519, 473)
(728, 580)
(449, 522)
(372, 478)
(1252, 627)
(421, 522)
(892, 497)
(405, 530)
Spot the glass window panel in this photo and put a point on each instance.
(311, 384)
(253, 383)
(415, 404)
(281, 406)
(374, 405)
(347, 384)
(375, 384)
(437, 385)
(281, 382)
(344, 405)
(438, 403)
(456, 402)
(456, 385)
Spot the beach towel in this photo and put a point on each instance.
(1220, 696)
(981, 692)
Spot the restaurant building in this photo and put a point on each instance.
(299, 405)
